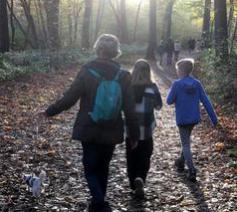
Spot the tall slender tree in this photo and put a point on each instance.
(52, 13)
(221, 28)
(4, 30)
(99, 16)
(136, 20)
(152, 43)
(76, 11)
(167, 23)
(123, 20)
(85, 38)
(31, 24)
(206, 23)
(231, 15)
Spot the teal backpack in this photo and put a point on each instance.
(108, 100)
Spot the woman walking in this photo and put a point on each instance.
(104, 91)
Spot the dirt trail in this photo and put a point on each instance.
(27, 146)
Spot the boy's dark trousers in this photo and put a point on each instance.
(138, 160)
(96, 160)
(169, 58)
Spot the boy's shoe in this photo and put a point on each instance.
(139, 188)
(179, 164)
(192, 176)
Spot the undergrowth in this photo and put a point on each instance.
(220, 78)
(14, 64)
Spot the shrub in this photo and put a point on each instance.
(219, 77)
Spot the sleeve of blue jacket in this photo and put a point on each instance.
(172, 94)
(207, 104)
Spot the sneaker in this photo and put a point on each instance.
(192, 176)
(179, 164)
(139, 188)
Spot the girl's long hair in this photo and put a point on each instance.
(141, 73)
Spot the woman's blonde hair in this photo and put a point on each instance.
(141, 73)
(107, 46)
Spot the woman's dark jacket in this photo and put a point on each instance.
(84, 88)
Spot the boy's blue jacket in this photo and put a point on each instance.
(186, 94)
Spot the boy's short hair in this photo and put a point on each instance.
(185, 65)
(107, 46)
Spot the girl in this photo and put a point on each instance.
(147, 98)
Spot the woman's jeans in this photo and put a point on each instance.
(138, 160)
(186, 154)
(96, 160)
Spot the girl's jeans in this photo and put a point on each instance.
(186, 154)
(138, 160)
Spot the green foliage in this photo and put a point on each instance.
(15, 64)
(8, 70)
(219, 77)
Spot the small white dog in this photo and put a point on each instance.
(34, 184)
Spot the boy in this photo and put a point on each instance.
(186, 93)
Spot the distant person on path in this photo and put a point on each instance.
(187, 93)
(191, 45)
(199, 45)
(170, 51)
(98, 129)
(161, 51)
(177, 49)
(147, 98)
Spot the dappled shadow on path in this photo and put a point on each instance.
(136, 205)
(197, 194)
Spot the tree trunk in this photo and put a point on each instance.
(85, 38)
(76, 11)
(117, 16)
(99, 16)
(70, 23)
(233, 37)
(52, 13)
(152, 32)
(136, 20)
(31, 23)
(124, 38)
(168, 20)
(21, 27)
(4, 31)
(41, 25)
(206, 23)
(221, 29)
(43, 22)
(231, 16)
(12, 24)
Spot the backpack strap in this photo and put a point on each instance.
(98, 76)
(118, 75)
(95, 74)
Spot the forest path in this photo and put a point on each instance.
(29, 146)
